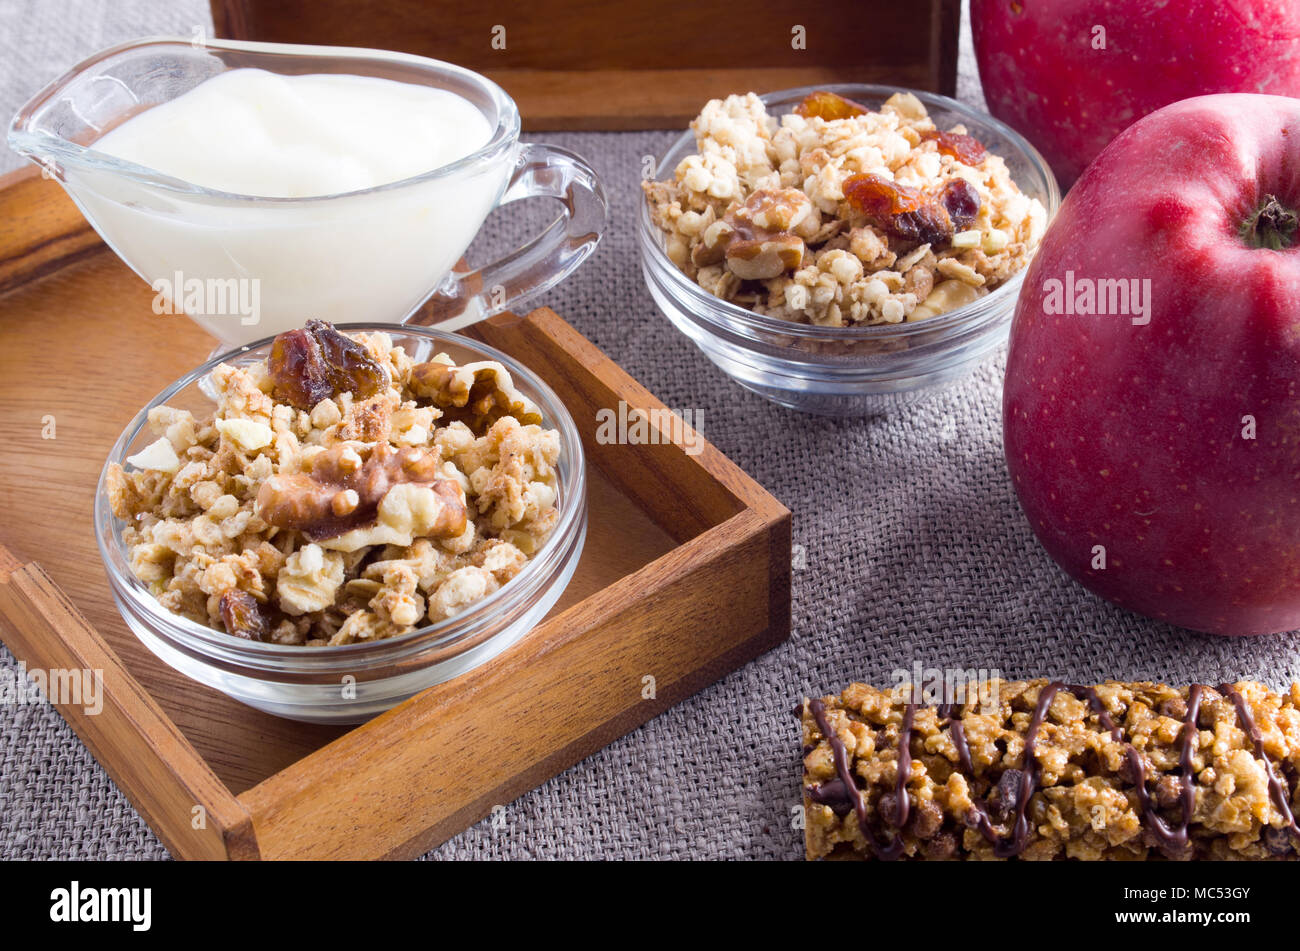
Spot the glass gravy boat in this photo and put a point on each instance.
(245, 267)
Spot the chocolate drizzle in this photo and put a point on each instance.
(892, 849)
(1277, 791)
(1015, 843)
(946, 712)
(1172, 841)
(844, 794)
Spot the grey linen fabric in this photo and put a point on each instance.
(914, 551)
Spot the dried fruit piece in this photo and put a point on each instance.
(964, 148)
(338, 490)
(242, 615)
(962, 202)
(317, 363)
(906, 213)
(879, 197)
(824, 104)
(911, 214)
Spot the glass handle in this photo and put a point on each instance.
(540, 171)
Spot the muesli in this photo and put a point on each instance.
(339, 493)
(838, 215)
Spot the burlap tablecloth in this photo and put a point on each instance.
(915, 551)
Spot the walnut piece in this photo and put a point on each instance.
(761, 242)
(409, 510)
(338, 491)
(477, 394)
(759, 259)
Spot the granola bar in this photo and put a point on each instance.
(339, 492)
(838, 215)
(1047, 770)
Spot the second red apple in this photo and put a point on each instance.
(1069, 75)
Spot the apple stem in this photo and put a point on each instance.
(1272, 225)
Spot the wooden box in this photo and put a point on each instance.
(685, 576)
(636, 64)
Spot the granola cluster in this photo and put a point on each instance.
(339, 493)
(838, 215)
(1107, 778)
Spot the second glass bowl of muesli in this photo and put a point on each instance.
(843, 249)
(324, 523)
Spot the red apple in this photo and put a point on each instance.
(1070, 74)
(1156, 451)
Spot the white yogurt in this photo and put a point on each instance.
(252, 132)
(348, 257)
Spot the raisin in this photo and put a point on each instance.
(903, 212)
(929, 224)
(298, 372)
(928, 820)
(1005, 797)
(243, 616)
(962, 202)
(940, 847)
(878, 197)
(887, 808)
(911, 214)
(827, 105)
(964, 148)
(1277, 841)
(318, 363)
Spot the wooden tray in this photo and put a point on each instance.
(685, 576)
(636, 64)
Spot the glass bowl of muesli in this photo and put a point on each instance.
(324, 523)
(844, 249)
